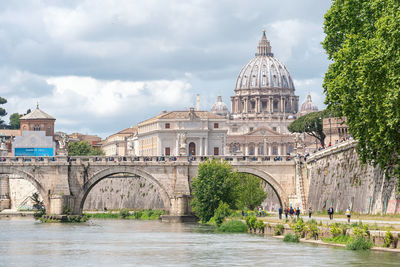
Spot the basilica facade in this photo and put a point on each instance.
(262, 107)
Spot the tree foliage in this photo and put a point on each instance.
(216, 182)
(310, 124)
(363, 82)
(251, 194)
(2, 110)
(14, 121)
(83, 148)
(217, 185)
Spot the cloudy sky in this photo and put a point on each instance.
(101, 66)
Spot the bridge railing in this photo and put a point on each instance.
(144, 159)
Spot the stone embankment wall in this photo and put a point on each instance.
(118, 193)
(338, 179)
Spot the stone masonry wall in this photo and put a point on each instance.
(117, 193)
(337, 178)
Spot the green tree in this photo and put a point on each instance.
(363, 82)
(2, 110)
(215, 182)
(310, 124)
(251, 192)
(14, 121)
(83, 148)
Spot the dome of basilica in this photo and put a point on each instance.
(308, 106)
(264, 71)
(219, 107)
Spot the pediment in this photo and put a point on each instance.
(263, 131)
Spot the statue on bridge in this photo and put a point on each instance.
(62, 140)
(182, 144)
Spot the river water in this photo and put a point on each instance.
(24, 242)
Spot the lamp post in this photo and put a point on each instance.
(330, 129)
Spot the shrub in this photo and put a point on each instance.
(291, 238)
(359, 244)
(312, 230)
(260, 226)
(123, 213)
(279, 229)
(221, 213)
(388, 240)
(335, 230)
(299, 227)
(251, 222)
(361, 231)
(232, 227)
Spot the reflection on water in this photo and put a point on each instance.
(24, 242)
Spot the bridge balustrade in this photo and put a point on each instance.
(145, 159)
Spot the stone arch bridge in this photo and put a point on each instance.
(65, 182)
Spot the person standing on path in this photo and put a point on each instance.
(291, 212)
(280, 213)
(348, 214)
(286, 212)
(298, 212)
(309, 212)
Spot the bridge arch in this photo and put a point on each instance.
(31, 178)
(282, 196)
(107, 173)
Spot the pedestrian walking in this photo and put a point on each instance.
(330, 213)
(280, 213)
(309, 212)
(348, 214)
(291, 212)
(286, 212)
(298, 212)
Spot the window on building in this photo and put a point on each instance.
(274, 150)
(36, 128)
(167, 126)
(216, 151)
(274, 129)
(290, 148)
(216, 125)
(251, 129)
(235, 148)
(167, 151)
(275, 106)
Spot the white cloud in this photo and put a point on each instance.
(109, 98)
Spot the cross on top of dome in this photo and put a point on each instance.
(264, 47)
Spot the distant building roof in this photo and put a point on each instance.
(182, 115)
(8, 132)
(37, 114)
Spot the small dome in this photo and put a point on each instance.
(308, 106)
(220, 108)
(264, 71)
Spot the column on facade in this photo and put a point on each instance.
(237, 105)
(265, 146)
(206, 146)
(246, 150)
(269, 149)
(201, 146)
(159, 147)
(271, 104)
(279, 150)
(256, 149)
(291, 104)
(246, 105)
(258, 106)
(177, 145)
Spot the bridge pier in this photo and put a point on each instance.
(5, 202)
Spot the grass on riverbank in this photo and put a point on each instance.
(232, 227)
(130, 215)
(291, 238)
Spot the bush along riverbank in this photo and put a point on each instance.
(128, 214)
(356, 236)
